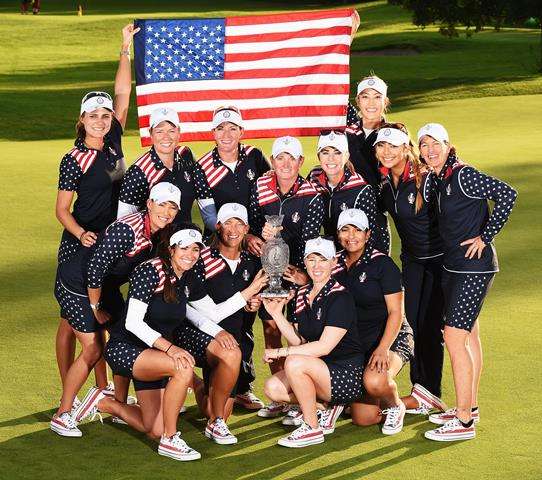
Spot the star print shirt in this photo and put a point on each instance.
(148, 170)
(302, 207)
(463, 193)
(419, 232)
(352, 191)
(332, 307)
(95, 176)
(372, 277)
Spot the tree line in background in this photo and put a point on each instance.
(475, 14)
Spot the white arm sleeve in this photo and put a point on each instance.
(220, 311)
(135, 322)
(124, 209)
(201, 322)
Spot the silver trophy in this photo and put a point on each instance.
(275, 260)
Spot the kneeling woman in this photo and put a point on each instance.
(324, 357)
(375, 283)
(160, 291)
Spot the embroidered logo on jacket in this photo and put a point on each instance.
(187, 176)
(449, 190)
(246, 275)
(411, 198)
(296, 217)
(363, 277)
(250, 174)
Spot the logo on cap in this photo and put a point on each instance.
(235, 208)
(170, 189)
(226, 114)
(286, 141)
(428, 127)
(331, 136)
(370, 82)
(387, 132)
(351, 213)
(164, 111)
(192, 233)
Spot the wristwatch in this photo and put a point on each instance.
(95, 306)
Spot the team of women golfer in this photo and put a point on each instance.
(353, 317)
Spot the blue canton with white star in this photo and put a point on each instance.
(177, 50)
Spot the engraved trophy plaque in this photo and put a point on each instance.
(275, 259)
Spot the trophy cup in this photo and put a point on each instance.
(275, 259)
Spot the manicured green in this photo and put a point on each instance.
(484, 89)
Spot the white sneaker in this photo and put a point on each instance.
(65, 425)
(249, 401)
(451, 431)
(273, 409)
(426, 400)
(89, 404)
(293, 417)
(328, 418)
(175, 447)
(75, 405)
(219, 432)
(303, 437)
(394, 419)
(131, 400)
(182, 409)
(442, 418)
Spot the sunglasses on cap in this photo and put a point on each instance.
(328, 132)
(221, 109)
(96, 94)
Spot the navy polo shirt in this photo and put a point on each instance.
(419, 232)
(332, 307)
(360, 146)
(368, 280)
(124, 245)
(147, 285)
(222, 283)
(352, 191)
(463, 193)
(227, 186)
(302, 207)
(148, 170)
(95, 175)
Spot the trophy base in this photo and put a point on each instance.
(279, 294)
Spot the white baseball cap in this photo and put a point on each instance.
(320, 245)
(335, 140)
(227, 114)
(353, 216)
(435, 130)
(232, 210)
(165, 192)
(164, 114)
(94, 100)
(186, 237)
(392, 135)
(287, 144)
(375, 83)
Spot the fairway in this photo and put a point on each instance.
(485, 90)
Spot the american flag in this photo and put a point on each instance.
(288, 73)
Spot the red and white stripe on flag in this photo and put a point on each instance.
(288, 73)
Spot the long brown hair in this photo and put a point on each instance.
(80, 128)
(163, 252)
(414, 160)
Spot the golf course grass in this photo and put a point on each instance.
(485, 90)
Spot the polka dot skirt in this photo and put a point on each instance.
(464, 295)
(76, 310)
(346, 383)
(194, 342)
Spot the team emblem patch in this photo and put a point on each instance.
(112, 151)
(331, 136)
(411, 198)
(99, 100)
(186, 291)
(226, 114)
(449, 190)
(344, 207)
(246, 275)
(319, 314)
(286, 141)
(296, 217)
(371, 82)
(192, 233)
(387, 132)
(363, 277)
(250, 174)
(187, 176)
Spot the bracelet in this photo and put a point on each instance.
(125, 52)
(95, 306)
(167, 349)
(278, 352)
(82, 234)
(287, 351)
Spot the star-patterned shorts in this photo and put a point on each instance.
(68, 247)
(121, 356)
(404, 343)
(76, 310)
(194, 341)
(346, 383)
(464, 295)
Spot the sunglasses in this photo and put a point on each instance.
(324, 133)
(96, 94)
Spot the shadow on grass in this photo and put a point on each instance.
(255, 456)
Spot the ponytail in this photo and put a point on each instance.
(163, 252)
